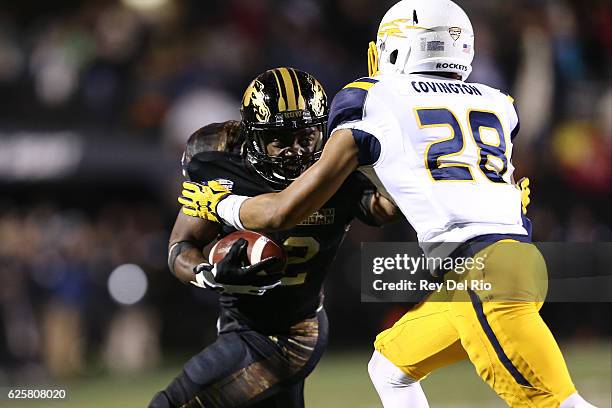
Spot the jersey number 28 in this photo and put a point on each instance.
(455, 145)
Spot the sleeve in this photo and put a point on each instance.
(348, 112)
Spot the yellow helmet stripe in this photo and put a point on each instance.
(282, 105)
(301, 102)
(289, 89)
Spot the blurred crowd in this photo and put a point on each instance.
(152, 72)
(54, 300)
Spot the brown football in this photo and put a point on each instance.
(259, 248)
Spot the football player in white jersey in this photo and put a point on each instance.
(442, 149)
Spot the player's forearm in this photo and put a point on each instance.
(269, 212)
(285, 209)
(189, 236)
(261, 213)
(185, 262)
(276, 211)
(384, 210)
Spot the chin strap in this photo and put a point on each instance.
(372, 59)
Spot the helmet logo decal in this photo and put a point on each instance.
(318, 100)
(455, 33)
(397, 27)
(394, 28)
(255, 95)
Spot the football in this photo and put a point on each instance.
(259, 247)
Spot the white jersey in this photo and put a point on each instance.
(442, 150)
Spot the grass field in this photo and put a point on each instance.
(341, 381)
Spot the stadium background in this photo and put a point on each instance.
(98, 98)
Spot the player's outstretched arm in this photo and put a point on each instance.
(384, 210)
(282, 210)
(189, 236)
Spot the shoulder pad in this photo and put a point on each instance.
(229, 169)
(348, 104)
(204, 165)
(362, 83)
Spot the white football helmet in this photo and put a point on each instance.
(424, 36)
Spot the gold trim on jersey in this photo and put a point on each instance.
(360, 85)
(478, 148)
(443, 165)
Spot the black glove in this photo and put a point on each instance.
(234, 275)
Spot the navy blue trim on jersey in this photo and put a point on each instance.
(527, 225)
(369, 147)
(493, 238)
(515, 130)
(501, 354)
(472, 246)
(347, 106)
(367, 79)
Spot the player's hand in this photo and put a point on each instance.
(523, 186)
(233, 274)
(201, 200)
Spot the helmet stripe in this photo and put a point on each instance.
(289, 88)
(282, 105)
(301, 102)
